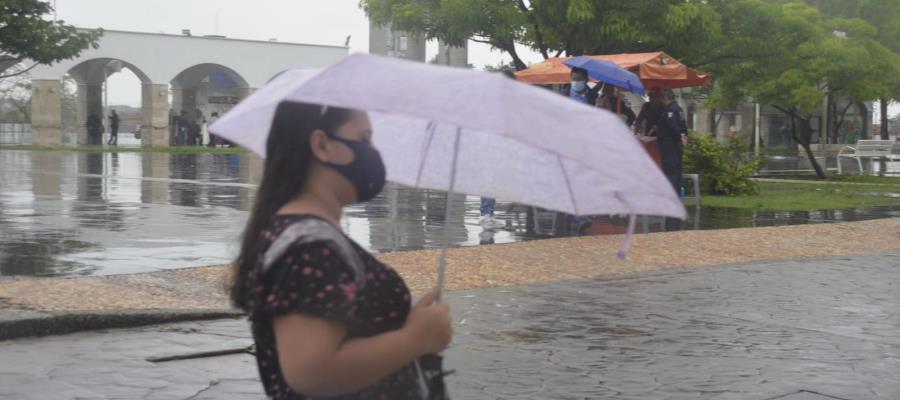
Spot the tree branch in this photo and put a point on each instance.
(18, 73)
(537, 29)
(509, 47)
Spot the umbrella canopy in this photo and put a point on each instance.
(477, 133)
(608, 72)
(656, 70)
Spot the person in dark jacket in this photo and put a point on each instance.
(672, 134)
(651, 112)
(113, 129)
(613, 102)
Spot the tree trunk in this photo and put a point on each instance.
(517, 61)
(804, 139)
(812, 159)
(831, 121)
(803, 133)
(884, 119)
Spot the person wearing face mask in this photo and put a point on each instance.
(582, 93)
(329, 320)
(579, 89)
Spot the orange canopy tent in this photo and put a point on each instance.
(657, 70)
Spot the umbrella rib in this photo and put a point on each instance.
(442, 267)
(432, 126)
(568, 184)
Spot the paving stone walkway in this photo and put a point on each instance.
(795, 330)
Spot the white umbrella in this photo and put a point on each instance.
(478, 133)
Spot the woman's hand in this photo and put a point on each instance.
(428, 325)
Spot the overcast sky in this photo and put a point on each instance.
(304, 21)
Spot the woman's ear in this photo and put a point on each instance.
(318, 145)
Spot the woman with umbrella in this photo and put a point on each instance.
(328, 318)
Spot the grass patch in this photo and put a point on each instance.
(809, 197)
(101, 149)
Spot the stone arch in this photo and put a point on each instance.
(92, 71)
(207, 88)
(219, 73)
(90, 75)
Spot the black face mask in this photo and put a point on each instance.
(366, 172)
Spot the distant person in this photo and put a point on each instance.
(579, 89)
(488, 204)
(173, 123)
(113, 129)
(182, 129)
(582, 93)
(94, 129)
(648, 118)
(194, 134)
(672, 135)
(213, 139)
(612, 101)
(204, 133)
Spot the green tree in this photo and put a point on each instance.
(803, 59)
(16, 94)
(25, 33)
(884, 16)
(554, 27)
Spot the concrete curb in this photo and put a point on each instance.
(30, 324)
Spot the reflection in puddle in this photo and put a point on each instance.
(65, 213)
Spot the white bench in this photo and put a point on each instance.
(866, 149)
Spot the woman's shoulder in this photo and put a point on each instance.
(304, 234)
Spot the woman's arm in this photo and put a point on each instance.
(316, 359)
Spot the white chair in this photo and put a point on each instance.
(866, 149)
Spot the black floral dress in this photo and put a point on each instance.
(312, 279)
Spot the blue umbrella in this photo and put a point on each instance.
(608, 72)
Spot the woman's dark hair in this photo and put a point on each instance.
(288, 156)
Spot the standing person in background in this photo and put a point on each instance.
(204, 133)
(213, 140)
(113, 129)
(672, 135)
(173, 122)
(582, 93)
(613, 102)
(579, 89)
(488, 204)
(650, 114)
(182, 129)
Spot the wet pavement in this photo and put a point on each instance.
(68, 213)
(796, 330)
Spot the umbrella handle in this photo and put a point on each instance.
(442, 266)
